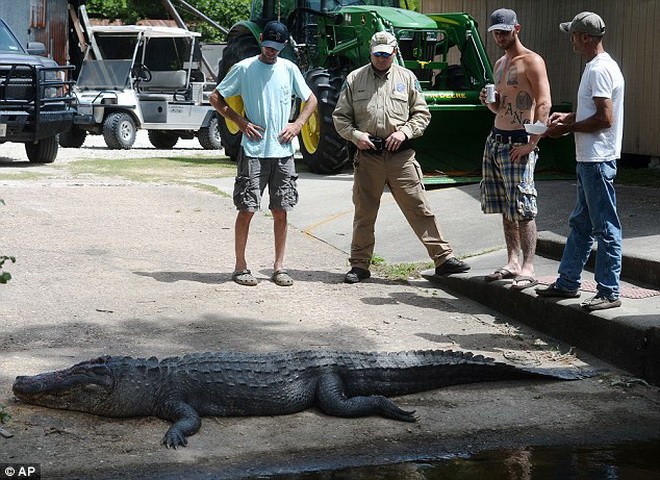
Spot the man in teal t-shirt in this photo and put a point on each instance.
(266, 84)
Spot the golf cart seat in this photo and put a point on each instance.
(165, 81)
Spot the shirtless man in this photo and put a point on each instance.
(522, 97)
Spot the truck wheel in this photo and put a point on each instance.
(209, 137)
(73, 138)
(237, 49)
(323, 150)
(44, 151)
(119, 131)
(162, 139)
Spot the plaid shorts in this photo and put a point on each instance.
(254, 174)
(507, 187)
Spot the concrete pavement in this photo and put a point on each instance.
(627, 337)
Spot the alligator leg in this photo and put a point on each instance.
(332, 400)
(186, 423)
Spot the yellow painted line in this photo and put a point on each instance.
(330, 219)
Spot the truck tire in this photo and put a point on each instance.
(119, 131)
(237, 49)
(44, 151)
(209, 137)
(323, 150)
(163, 139)
(73, 138)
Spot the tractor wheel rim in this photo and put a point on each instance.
(236, 104)
(311, 131)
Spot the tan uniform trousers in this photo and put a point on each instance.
(402, 174)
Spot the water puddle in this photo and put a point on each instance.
(631, 461)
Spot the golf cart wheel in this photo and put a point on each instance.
(323, 150)
(44, 151)
(119, 131)
(209, 137)
(163, 140)
(73, 138)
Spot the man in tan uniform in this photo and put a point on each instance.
(381, 109)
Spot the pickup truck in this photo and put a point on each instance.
(36, 99)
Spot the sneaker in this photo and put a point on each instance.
(452, 265)
(356, 275)
(552, 291)
(600, 303)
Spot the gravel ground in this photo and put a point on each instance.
(110, 266)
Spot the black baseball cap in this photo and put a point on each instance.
(275, 35)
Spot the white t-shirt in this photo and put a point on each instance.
(267, 91)
(602, 77)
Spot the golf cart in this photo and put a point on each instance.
(142, 77)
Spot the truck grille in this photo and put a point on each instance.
(25, 87)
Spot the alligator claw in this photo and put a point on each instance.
(174, 440)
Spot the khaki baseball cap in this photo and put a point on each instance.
(585, 22)
(383, 42)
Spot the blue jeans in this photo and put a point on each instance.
(594, 216)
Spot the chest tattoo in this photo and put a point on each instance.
(512, 76)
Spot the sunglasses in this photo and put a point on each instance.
(382, 54)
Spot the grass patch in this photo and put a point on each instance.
(156, 169)
(21, 175)
(399, 271)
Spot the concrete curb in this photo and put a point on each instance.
(635, 268)
(629, 342)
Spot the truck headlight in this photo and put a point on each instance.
(50, 76)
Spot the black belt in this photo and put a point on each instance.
(405, 145)
(500, 136)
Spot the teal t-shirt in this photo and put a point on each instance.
(267, 90)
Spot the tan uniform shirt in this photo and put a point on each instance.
(381, 105)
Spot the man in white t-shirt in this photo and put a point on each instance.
(266, 84)
(598, 128)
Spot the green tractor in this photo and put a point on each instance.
(329, 38)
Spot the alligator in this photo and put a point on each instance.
(343, 384)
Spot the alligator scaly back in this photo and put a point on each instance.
(181, 389)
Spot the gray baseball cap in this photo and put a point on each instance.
(503, 19)
(585, 22)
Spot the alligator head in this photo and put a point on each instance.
(86, 387)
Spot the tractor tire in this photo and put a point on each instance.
(73, 138)
(237, 49)
(323, 150)
(119, 131)
(209, 137)
(163, 139)
(44, 151)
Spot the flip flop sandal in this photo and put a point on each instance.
(244, 277)
(500, 274)
(521, 282)
(282, 278)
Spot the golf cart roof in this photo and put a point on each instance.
(148, 31)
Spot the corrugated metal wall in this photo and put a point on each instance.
(632, 27)
(49, 20)
(44, 21)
